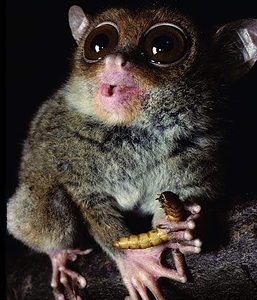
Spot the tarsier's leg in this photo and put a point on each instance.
(48, 224)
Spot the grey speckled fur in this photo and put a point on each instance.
(126, 166)
(76, 165)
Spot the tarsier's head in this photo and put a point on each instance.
(126, 60)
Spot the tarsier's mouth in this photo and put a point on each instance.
(117, 89)
(111, 90)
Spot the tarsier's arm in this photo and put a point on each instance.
(105, 221)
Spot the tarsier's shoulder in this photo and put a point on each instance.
(49, 113)
(44, 128)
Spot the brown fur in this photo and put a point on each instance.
(80, 165)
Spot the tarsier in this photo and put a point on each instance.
(139, 115)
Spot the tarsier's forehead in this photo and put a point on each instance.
(141, 20)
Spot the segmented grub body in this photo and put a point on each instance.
(172, 206)
(143, 240)
(174, 211)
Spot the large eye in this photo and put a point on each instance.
(165, 44)
(100, 42)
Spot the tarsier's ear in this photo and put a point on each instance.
(78, 22)
(236, 44)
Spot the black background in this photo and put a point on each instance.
(39, 47)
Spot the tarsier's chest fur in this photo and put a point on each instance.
(129, 163)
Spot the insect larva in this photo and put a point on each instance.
(143, 240)
(174, 211)
(172, 206)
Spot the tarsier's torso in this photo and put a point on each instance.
(131, 164)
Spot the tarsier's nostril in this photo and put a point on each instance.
(124, 63)
(117, 60)
(121, 60)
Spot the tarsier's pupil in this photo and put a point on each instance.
(99, 42)
(162, 44)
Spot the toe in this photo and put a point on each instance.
(63, 278)
(143, 293)
(171, 274)
(153, 287)
(132, 291)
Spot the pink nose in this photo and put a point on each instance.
(116, 60)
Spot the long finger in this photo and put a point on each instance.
(171, 274)
(180, 263)
(189, 249)
(69, 291)
(58, 295)
(185, 235)
(197, 243)
(153, 287)
(176, 226)
(142, 292)
(75, 276)
(132, 291)
(55, 277)
(192, 207)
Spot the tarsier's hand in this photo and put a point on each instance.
(141, 268)
(183, 234)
